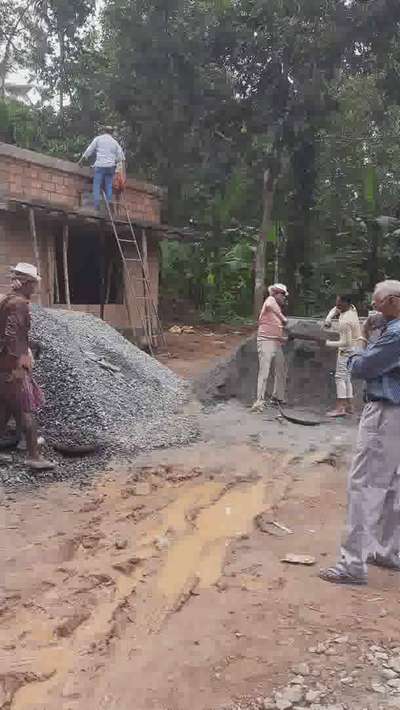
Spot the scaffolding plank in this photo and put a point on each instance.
(32, 229)
(65, 239)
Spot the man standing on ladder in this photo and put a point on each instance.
(108, 154)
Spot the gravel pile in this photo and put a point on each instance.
(102, 390)
(338, 674)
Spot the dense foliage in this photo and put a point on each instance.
(207, 96)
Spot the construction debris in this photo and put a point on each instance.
(179, 329)
(272, 527)
(293, 559)
(366, 682)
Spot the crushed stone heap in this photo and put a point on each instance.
(100, 388)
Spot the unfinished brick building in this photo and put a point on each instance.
(47, 218)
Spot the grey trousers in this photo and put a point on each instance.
(374, 492)
(271, 352)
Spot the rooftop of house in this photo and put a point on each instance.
(62, 189)
(33, 158)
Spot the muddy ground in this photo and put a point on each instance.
(156, 588)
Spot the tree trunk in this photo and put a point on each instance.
(5, 66)
(374, 233)
(61, 39)
(6, 59)
(266, 226)
(3, 74)
(298, 257)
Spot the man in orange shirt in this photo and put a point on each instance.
(270, 338)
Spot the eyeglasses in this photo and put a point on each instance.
(385, 298)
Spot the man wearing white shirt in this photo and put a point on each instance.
(350, 337)
(108, 154)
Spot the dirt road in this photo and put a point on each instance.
(154, 588)
(190, 353)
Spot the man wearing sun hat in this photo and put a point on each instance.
(270, 338)
(15, 359)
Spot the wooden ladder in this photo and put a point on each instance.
(138, 288)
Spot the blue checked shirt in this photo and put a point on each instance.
(379, 365)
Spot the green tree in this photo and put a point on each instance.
(58, 40)
(15, 35)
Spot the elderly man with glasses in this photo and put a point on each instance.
(373, 534)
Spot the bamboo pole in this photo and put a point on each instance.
(102, 273)
(65, 238)
(146, 284)
(145, 255)
(108, 281)
(50, 267)
(32, 229)
(56, 279)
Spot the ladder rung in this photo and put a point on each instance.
(152, 332)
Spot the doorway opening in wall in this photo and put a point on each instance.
(95, 273)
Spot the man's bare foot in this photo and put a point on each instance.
(5, 458)
(258, 407)
(277, 402)
(336, 413)
(22, 446)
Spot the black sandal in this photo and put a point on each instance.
(335, 576)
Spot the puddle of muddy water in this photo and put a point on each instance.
(200, 553)
(199, 524)
(196, 497)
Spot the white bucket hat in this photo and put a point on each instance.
(26, 270)
(278, 287)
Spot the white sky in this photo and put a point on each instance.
(22, 77)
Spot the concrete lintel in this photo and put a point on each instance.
(89, 215)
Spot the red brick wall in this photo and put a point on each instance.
(15, 245)
(32, 176)
(25, 175)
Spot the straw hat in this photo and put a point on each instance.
(27, 270)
